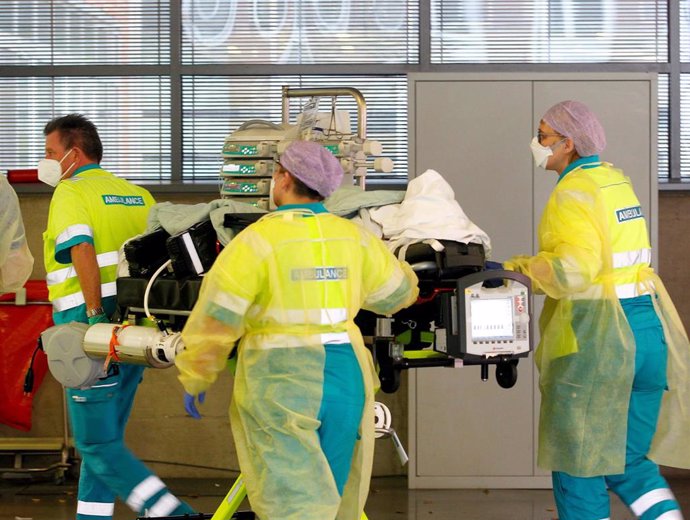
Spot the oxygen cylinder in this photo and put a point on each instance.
(136, 345)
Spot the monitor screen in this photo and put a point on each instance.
(492, 319)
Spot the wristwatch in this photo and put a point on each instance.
(96, 311)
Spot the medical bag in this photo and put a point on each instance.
(146, 253)
(193, 251)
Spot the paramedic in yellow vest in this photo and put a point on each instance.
(16, 261)
(611, 340)
(290, 285)
(92, 213)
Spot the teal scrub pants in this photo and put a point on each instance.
(341, 410)
(641, 487)
(98, 417)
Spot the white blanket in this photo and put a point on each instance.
(428, 211)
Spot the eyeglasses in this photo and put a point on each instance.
(541, 135)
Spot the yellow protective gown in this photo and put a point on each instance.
(288, 284)
(586, 351)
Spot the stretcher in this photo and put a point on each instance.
(466, 315)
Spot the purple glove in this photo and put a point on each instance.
(190, 404)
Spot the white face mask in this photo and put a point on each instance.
(541, 153)
(50, 170)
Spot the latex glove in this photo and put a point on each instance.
(493, 283)
(190, 404)
(490, 265)
(99, 318)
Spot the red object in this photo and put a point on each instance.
(22, 176)
(20, 327)
(430, 297)
(113, 353)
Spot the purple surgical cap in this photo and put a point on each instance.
(575, 120)
(313, 165)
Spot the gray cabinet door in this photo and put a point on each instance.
(476, 134)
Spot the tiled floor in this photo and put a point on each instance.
(389, 500)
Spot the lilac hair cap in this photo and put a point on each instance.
(315, 166)
(575, 120)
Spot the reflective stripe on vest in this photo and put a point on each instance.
(387, 288)
(624, 261)
(625, 290)
(73, 231)
(331, 316)
(232, 302)
(630, 290)
(76, 299)
(631, 258)
(62, 275)
(274, 341)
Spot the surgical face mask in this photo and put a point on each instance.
(542, 153)
(50, 170)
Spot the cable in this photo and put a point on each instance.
(148, 288)
(29, 378)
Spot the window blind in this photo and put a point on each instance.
(78, 32)
(214, 106)
(663, 126)
(685, 124)
(685, 30)
(548, 31)
(132, 115)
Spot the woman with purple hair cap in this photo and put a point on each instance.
(290, 285)
(613, 354)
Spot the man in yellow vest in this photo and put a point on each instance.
(607, 328)
(92, 213)
(290, 285)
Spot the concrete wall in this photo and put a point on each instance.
(160, 431)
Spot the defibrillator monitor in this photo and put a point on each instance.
(492, 318)
(485, 322)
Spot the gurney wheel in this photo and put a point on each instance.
(390, 379)
(506, 374)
